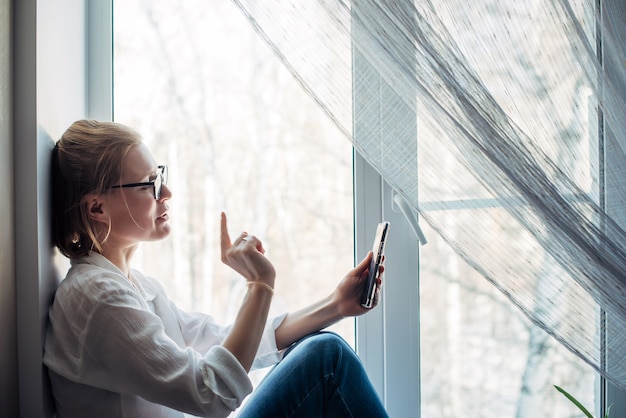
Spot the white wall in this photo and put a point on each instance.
(8, 343)
(49, 93)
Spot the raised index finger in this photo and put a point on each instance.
(224, 237)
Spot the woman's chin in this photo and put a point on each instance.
(163, 230)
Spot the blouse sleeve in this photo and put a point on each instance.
(122, 347)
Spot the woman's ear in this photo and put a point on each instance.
(96, 208)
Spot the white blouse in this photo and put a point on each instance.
(116, 350)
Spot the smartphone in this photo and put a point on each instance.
(378, 250)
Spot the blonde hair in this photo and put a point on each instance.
(86, 160)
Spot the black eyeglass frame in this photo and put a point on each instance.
(161, 177)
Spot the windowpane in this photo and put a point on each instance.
(481, 357)
(239, 135)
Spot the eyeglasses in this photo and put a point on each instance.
(157, 183)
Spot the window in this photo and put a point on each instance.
(478, 355)
(451, 347)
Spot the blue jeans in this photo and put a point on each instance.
(320, 376)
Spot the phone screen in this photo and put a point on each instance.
(378, 250)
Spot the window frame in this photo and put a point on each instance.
(388, 337)
(610, 156)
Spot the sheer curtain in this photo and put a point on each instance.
(519, 123)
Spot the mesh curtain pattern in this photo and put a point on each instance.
(515, 159)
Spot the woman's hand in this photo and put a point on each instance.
(347, 295)
(246, 256)
(344, 301)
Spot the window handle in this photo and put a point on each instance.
(400, 203)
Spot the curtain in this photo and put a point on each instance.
(517, 158)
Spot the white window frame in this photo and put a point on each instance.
(388, 337)
(609, 395)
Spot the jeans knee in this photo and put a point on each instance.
(327, 339)
(328, 346)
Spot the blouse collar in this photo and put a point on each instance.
(137, 282)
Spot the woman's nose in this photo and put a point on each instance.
(166, 192)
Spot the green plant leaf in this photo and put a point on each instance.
(574, 401)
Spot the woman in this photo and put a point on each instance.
(117, 346)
